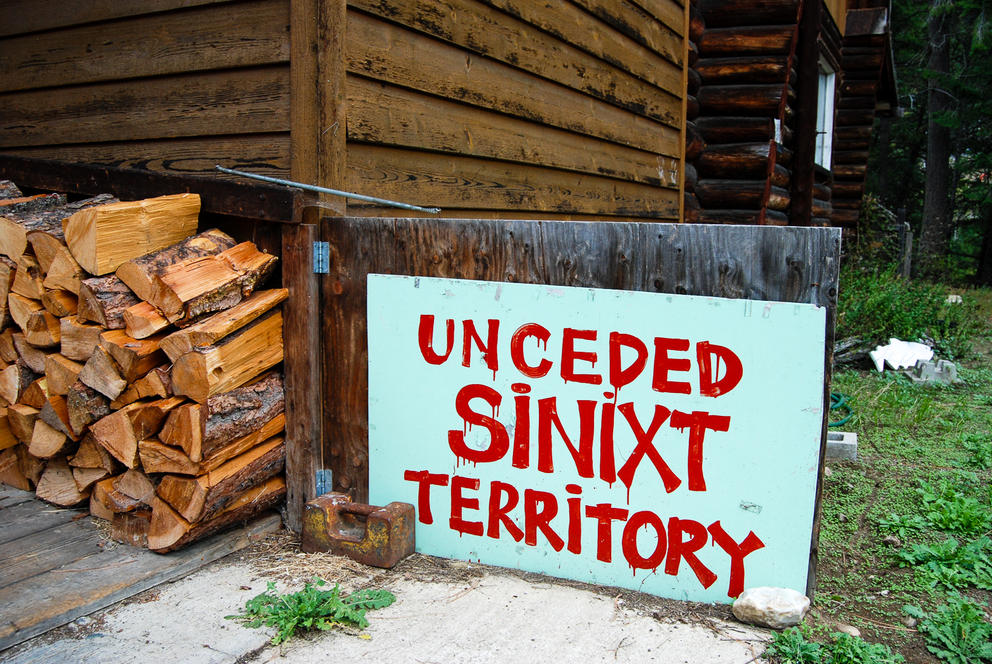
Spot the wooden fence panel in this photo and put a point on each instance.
(784, 264)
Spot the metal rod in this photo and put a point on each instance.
(325, 190)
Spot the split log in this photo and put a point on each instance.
(22, 308)
(92, 455)
(135, 484)
(20, 418)
(86, 477)
(116, 434)
(202, 497)
(32, 356)
(79, 338)
(55, 413)
(47, 442)
(209, 331)
(142, 320)
(191, 289)
(103, 300)
(131, 528)
(111, 499)
(235, 360)
(98, 509)
(14, 380)
(147, 418)
(231, 415)
(139, 273)
(43, 329)
(57, 485)
(28, 278)
(11, 472)
(61, 373)
(31, 466)
(134, 357)
(7, 437)
(65, 273)
(8, 271)
(36, 393)
(9, 191)
(101, 373)
(184, 429)
(85, 406)
(59, 303)
(169, 531)
(157, 457)
(8, 352)
(155, 383)
(17, 217)
(102, 238)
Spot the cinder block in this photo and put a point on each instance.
(842, 445)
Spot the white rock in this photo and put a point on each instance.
(850, 630)
(777, 608)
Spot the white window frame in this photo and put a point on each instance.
(825, 115)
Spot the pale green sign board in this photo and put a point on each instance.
(663, 443)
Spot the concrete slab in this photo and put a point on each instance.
(443, 613)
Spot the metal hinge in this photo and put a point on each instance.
(321, 257)
(324, 482)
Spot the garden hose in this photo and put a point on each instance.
(838, 400)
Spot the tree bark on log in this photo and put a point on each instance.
(103, 300)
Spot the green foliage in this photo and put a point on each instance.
(792, 647)
(902, 525)
(948, 509)
(951, 564)
(956, 632)
(311, 608)
(878, 304)
(979, 448)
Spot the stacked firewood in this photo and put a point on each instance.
(139, 365)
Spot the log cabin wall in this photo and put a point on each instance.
(868, 90)
(486, 108)
(747, 66)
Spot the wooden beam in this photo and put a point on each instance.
(252, 201)
(302, 366)
(804, 143)
(317, 98)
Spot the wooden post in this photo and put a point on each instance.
(317, 99)
(302, 365)
(803, 169)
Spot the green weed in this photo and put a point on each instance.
(791, 647)
(902, 525)
(951, 564)
(979, 448)
(956, 632)
(877, 304)
(948, 509)
(311, 608)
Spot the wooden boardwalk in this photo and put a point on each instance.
(54, 566)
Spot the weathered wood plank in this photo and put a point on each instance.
(787, 264)
(196, 39)
(267, 154)
(573, 26)
(386, 114)
(390, 53)
(47, 549)
(21, 16)
(484, 31)
(463, 182)
(639, 25)
(96, 581)
(247, 101)
(30, 517)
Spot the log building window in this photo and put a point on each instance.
(825, 115)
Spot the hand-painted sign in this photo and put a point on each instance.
(664, 443)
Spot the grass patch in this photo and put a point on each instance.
(312, 608)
